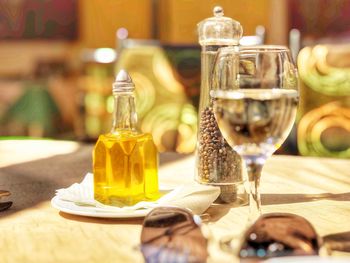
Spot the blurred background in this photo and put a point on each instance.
(58, 59)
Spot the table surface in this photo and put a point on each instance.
(33, 231)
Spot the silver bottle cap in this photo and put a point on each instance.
(123, 82)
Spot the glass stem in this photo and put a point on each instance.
(254, 173)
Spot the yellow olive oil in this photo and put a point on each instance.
(125, 161)
(125, 169)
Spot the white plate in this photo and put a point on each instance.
(71, 208)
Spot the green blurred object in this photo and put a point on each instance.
(318, 74)
(164, 105)
(324, 109)
(35, 109)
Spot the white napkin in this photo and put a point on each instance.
(195, 197)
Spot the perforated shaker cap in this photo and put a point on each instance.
(123, 82)
(219, 30)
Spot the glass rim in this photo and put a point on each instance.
(256, 49)
(260, 93)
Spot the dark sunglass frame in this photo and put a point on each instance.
(4, 205)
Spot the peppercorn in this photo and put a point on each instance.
(217, 162)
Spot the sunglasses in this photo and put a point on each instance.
(279, 235)
(171, 234)
(4, 205)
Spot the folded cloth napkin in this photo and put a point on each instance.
(195, 197)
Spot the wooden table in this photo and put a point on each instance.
(33, 231)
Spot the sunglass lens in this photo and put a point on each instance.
(171, 235)
(277, 235)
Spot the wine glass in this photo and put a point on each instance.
(255, 98)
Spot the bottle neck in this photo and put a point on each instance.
(125, 117)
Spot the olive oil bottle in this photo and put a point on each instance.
(125, 161)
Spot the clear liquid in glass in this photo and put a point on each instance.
(255, 122)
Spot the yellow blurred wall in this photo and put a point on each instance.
(176, 24)
(100, 19)
(178, 18)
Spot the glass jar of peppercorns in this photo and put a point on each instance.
(216, 162)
